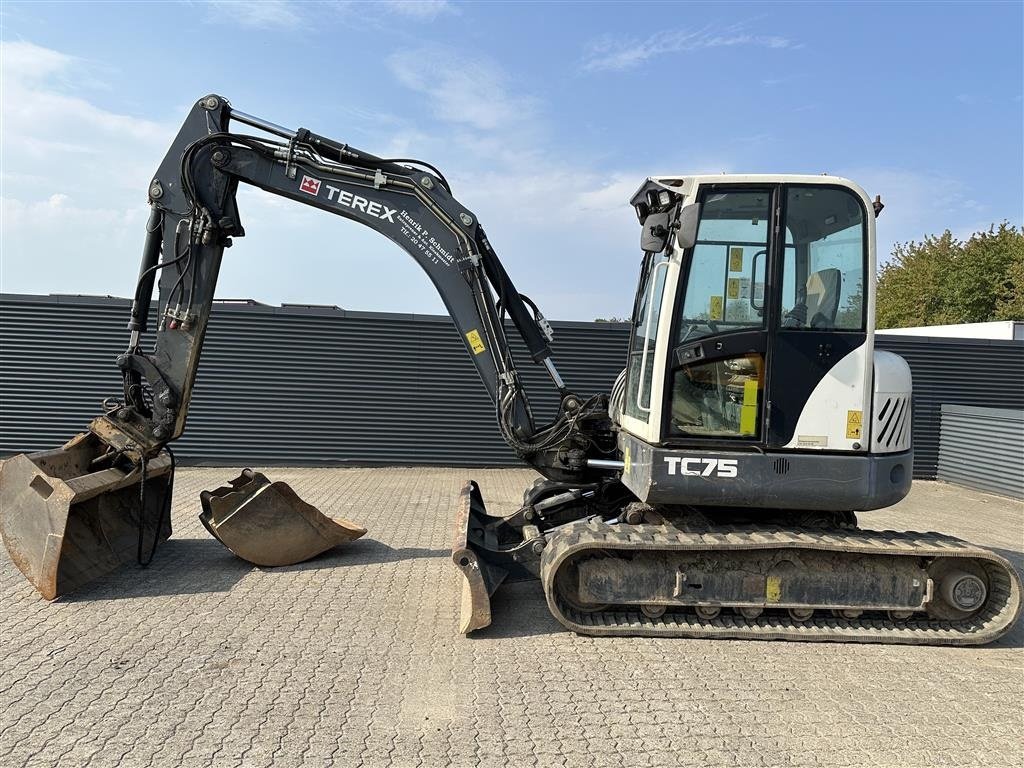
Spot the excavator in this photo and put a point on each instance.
(712, 493)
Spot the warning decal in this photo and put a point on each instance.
(475, 342)
(854, 420)
(735, 259)
(717, 305)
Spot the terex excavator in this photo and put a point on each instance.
(713, 493)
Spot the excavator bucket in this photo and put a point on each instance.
(268, 524)
(480, 578)
(70, 515)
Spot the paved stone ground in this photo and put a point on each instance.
(353, 659)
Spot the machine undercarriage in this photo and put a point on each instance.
(641, 570)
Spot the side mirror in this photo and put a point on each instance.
(654, 233)
(689, 218)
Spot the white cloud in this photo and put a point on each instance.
(462, 90)
(291, 14)
(27, 63)
(74, 177)
(549, 218)
(419, 9)
(261, 14)
(74, 208)
(918, 204)
(54, 139)
(563, 227)
(614, 54)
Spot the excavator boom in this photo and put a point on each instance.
(115, 480)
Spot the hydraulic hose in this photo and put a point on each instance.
(147, 271)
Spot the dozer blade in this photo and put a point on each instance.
(268, 524)
(480, 578)
(68, 516)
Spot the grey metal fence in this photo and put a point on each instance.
(983, 448)
(291, 384)
(976, 372)
(299, 384)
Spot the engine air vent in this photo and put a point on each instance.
(892, 423)
(781, 466)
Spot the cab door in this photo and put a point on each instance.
(820, 361)
(718, 364)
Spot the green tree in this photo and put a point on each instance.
(851, 314)
(943, 280)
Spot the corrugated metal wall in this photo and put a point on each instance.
(983, 448)
(978, 372)
(289, 384)
(315, 385)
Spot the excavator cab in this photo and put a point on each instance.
(753, 341)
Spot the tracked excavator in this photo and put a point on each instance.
(712, 493)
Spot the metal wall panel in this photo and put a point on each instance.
(317, 385)
(983, 448)
(978, 372)
(287, 384)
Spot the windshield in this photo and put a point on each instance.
(725, 280)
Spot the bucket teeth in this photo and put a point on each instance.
(70, 515)
(267, 524)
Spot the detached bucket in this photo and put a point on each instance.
(268, 524)
(68, 517)
(480, 578)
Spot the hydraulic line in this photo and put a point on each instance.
(165, 510)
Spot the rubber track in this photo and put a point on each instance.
(995, 618)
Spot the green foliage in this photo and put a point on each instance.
(943, 280)
(851, 314)
(612, 319)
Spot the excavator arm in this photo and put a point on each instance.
(194, 216)
(81, 510)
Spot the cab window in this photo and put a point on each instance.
(721, 398)
(823, 274)
(640, 376)
(726, 275)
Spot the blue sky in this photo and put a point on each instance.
(545, 117)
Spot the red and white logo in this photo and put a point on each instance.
(310, 185)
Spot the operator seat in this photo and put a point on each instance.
(819, 303)
(823, 289)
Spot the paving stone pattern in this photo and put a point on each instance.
(353, 659)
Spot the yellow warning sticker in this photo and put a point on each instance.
(854, 421)
(748, 411)
(773, 589)
(735, 259)
(734, 288)
(716, 307)
(475, 342)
